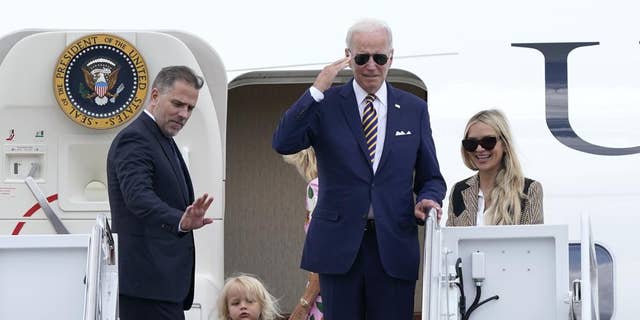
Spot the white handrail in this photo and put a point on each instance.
(431, 267)
(101, 275)
(93, 273)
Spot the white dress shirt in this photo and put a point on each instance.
(380, 104)
(480, 213)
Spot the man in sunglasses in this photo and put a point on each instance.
(374, 154)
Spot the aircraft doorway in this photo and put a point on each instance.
(265, 197)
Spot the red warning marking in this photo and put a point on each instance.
(18, 228)
(30, 212)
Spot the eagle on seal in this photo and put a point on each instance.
(102, 81)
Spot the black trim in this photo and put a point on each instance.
(456, 198)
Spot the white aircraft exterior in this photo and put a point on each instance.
(564, 73)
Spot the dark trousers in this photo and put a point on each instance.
(366, 291)
(133, 308)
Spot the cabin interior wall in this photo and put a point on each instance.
(265, 210)
(265, 197)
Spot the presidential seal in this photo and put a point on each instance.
(100, 81)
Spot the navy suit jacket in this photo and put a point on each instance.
(348, 185)
(149, 191)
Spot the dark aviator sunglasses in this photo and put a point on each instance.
(487, 143)
(378, 58)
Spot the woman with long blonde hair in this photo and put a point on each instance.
(498, 194)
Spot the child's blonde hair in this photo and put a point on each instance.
(269, 309)
(305, 162)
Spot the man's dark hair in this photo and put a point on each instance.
(169, 75)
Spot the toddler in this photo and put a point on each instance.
(245, 297)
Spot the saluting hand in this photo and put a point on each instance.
(423, 207)
(193, 218)
(328, 74)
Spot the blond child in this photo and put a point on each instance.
(245, 297)
(310, 305)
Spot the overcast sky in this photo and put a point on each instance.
(250, 34)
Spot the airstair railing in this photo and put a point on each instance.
(102, 277)
(430, 273)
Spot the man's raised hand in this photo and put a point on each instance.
(193, 218)
(328, 74)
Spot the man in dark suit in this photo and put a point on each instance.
(374, 151)
(152, 203)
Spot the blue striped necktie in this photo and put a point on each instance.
(370, 126)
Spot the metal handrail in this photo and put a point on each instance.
(431, 281)
(99, 292)
(42, 201)
(93, 273)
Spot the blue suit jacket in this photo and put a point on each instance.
(348, 185)
(148, 193)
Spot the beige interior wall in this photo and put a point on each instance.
(265, 212)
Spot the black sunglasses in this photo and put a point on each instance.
(471, 144)
(379, 58)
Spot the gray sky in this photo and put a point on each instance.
(253, 34)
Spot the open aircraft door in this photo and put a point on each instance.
(66, 94)
(584, 301)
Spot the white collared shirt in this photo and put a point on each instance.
(480, 213)
(380, 104)
(150, 115)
